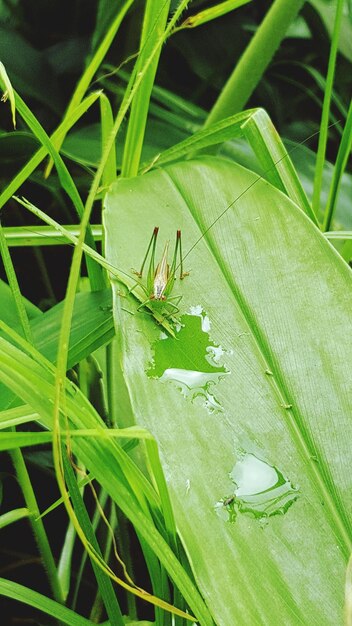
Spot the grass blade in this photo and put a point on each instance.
(326, 111)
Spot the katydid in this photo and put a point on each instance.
(160, 279)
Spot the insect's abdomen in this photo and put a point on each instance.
(159, 287)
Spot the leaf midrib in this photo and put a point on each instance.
(291, 415)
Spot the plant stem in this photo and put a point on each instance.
(324, 124)
(255, 59)
(343, 154)
(155, 18)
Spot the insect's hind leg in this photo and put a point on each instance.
(138, 283)
(183, 274)
(144, 304)
(177, 300)
(152, 246)
(174, 305)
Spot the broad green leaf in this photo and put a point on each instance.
(277, 297)
(8, 313)
(256, 126)
(84, 145)
(92, 327)
(16, 148)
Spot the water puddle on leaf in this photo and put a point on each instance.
(191, 360)
(261, 491)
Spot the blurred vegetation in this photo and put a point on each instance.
(45, 48)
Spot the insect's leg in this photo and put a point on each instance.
(138, 283)
(173, 305)
(177, 299)
(151, 245)
(133, 286)
(174, 266)
(179, 244)
(121, 294)
(143, 304)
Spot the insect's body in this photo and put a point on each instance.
(228, 501)
(161, 277)
(160, 280)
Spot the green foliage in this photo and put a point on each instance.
(278, 400)
(151, 421)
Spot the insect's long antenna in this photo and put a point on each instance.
(247, 189)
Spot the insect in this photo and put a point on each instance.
(228, 501)
(161, 279)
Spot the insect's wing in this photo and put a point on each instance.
(161, 275)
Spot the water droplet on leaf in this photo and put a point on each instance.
(261, 490)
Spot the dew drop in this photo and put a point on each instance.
(261, 491)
